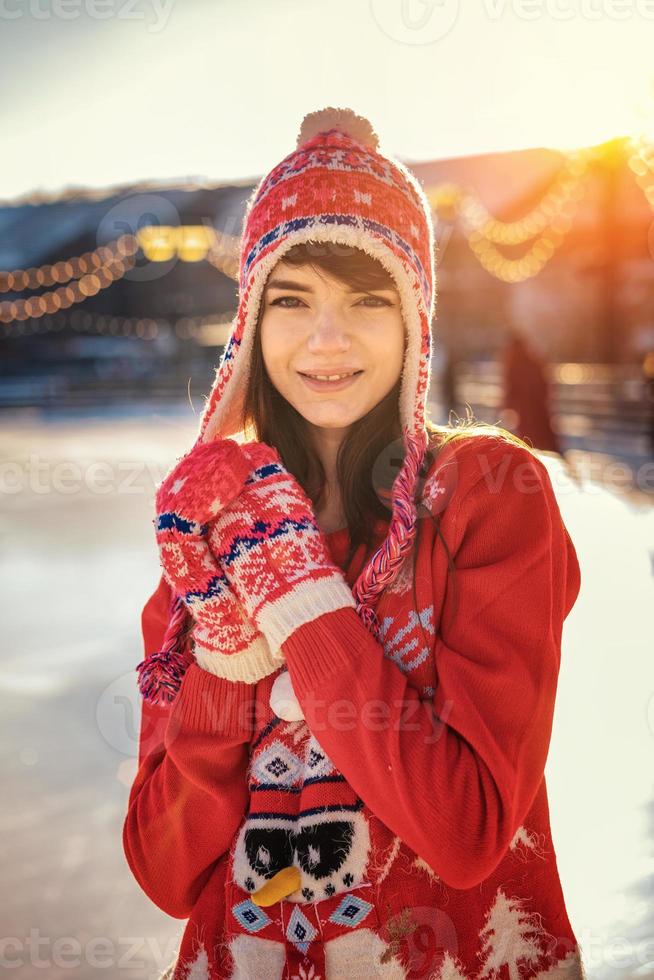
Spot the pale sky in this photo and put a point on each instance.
(98, 92)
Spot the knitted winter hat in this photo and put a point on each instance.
(337, 186)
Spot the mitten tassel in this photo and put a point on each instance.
(160, 673)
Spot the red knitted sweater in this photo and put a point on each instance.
(412, 797)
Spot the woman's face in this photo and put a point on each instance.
(313, 324)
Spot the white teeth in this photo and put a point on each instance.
(330, 377)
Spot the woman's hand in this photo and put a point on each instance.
(202, 483)
(226, 642)
(272, 552)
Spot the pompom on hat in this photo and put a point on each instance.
(336, 186)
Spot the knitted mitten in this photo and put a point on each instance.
(273, 553)
(226, 642)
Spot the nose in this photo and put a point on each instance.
(328, 334)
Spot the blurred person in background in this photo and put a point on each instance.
(526, 393)
(449, 392)
(648, 378)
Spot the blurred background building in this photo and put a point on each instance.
(125, 294)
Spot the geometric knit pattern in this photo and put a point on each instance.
(225, 640)
(274, 555)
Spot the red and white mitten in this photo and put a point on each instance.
(272, 552)
(226, 641)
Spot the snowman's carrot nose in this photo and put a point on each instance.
(282, 884)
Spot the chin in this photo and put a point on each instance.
(329, 420)
(336, 426)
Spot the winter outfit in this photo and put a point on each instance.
(342, 774)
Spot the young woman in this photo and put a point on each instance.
(352, 655)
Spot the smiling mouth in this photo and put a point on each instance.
(330, 383)
(329, 377)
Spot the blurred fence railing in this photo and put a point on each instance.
(60, 391)
(598, 407)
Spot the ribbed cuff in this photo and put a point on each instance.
(249, 665)
(305, 602)
(213, 705)
(332, 644)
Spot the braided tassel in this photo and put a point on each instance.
(160, 674)
(384, 565)
(368, 618)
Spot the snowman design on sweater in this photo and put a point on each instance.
(302, 811)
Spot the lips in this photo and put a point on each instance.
(329, 372)
(317, 385)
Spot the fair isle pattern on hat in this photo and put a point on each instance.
(337, 187)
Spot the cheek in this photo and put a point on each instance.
(274, 346)
(267, 342)
(392, 349)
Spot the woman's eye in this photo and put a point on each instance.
(376, 300)
(282, 299)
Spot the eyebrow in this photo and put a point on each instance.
(301, 288)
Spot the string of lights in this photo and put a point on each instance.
(21, 280)
(544, 227)
(65, 296)
(567, 188)
(99, 324)
(191, 243)
(548, 222)
(516, 270)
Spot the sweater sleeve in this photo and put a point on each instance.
(455, 775)
(190, 789)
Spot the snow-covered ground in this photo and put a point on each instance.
(77, 562)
